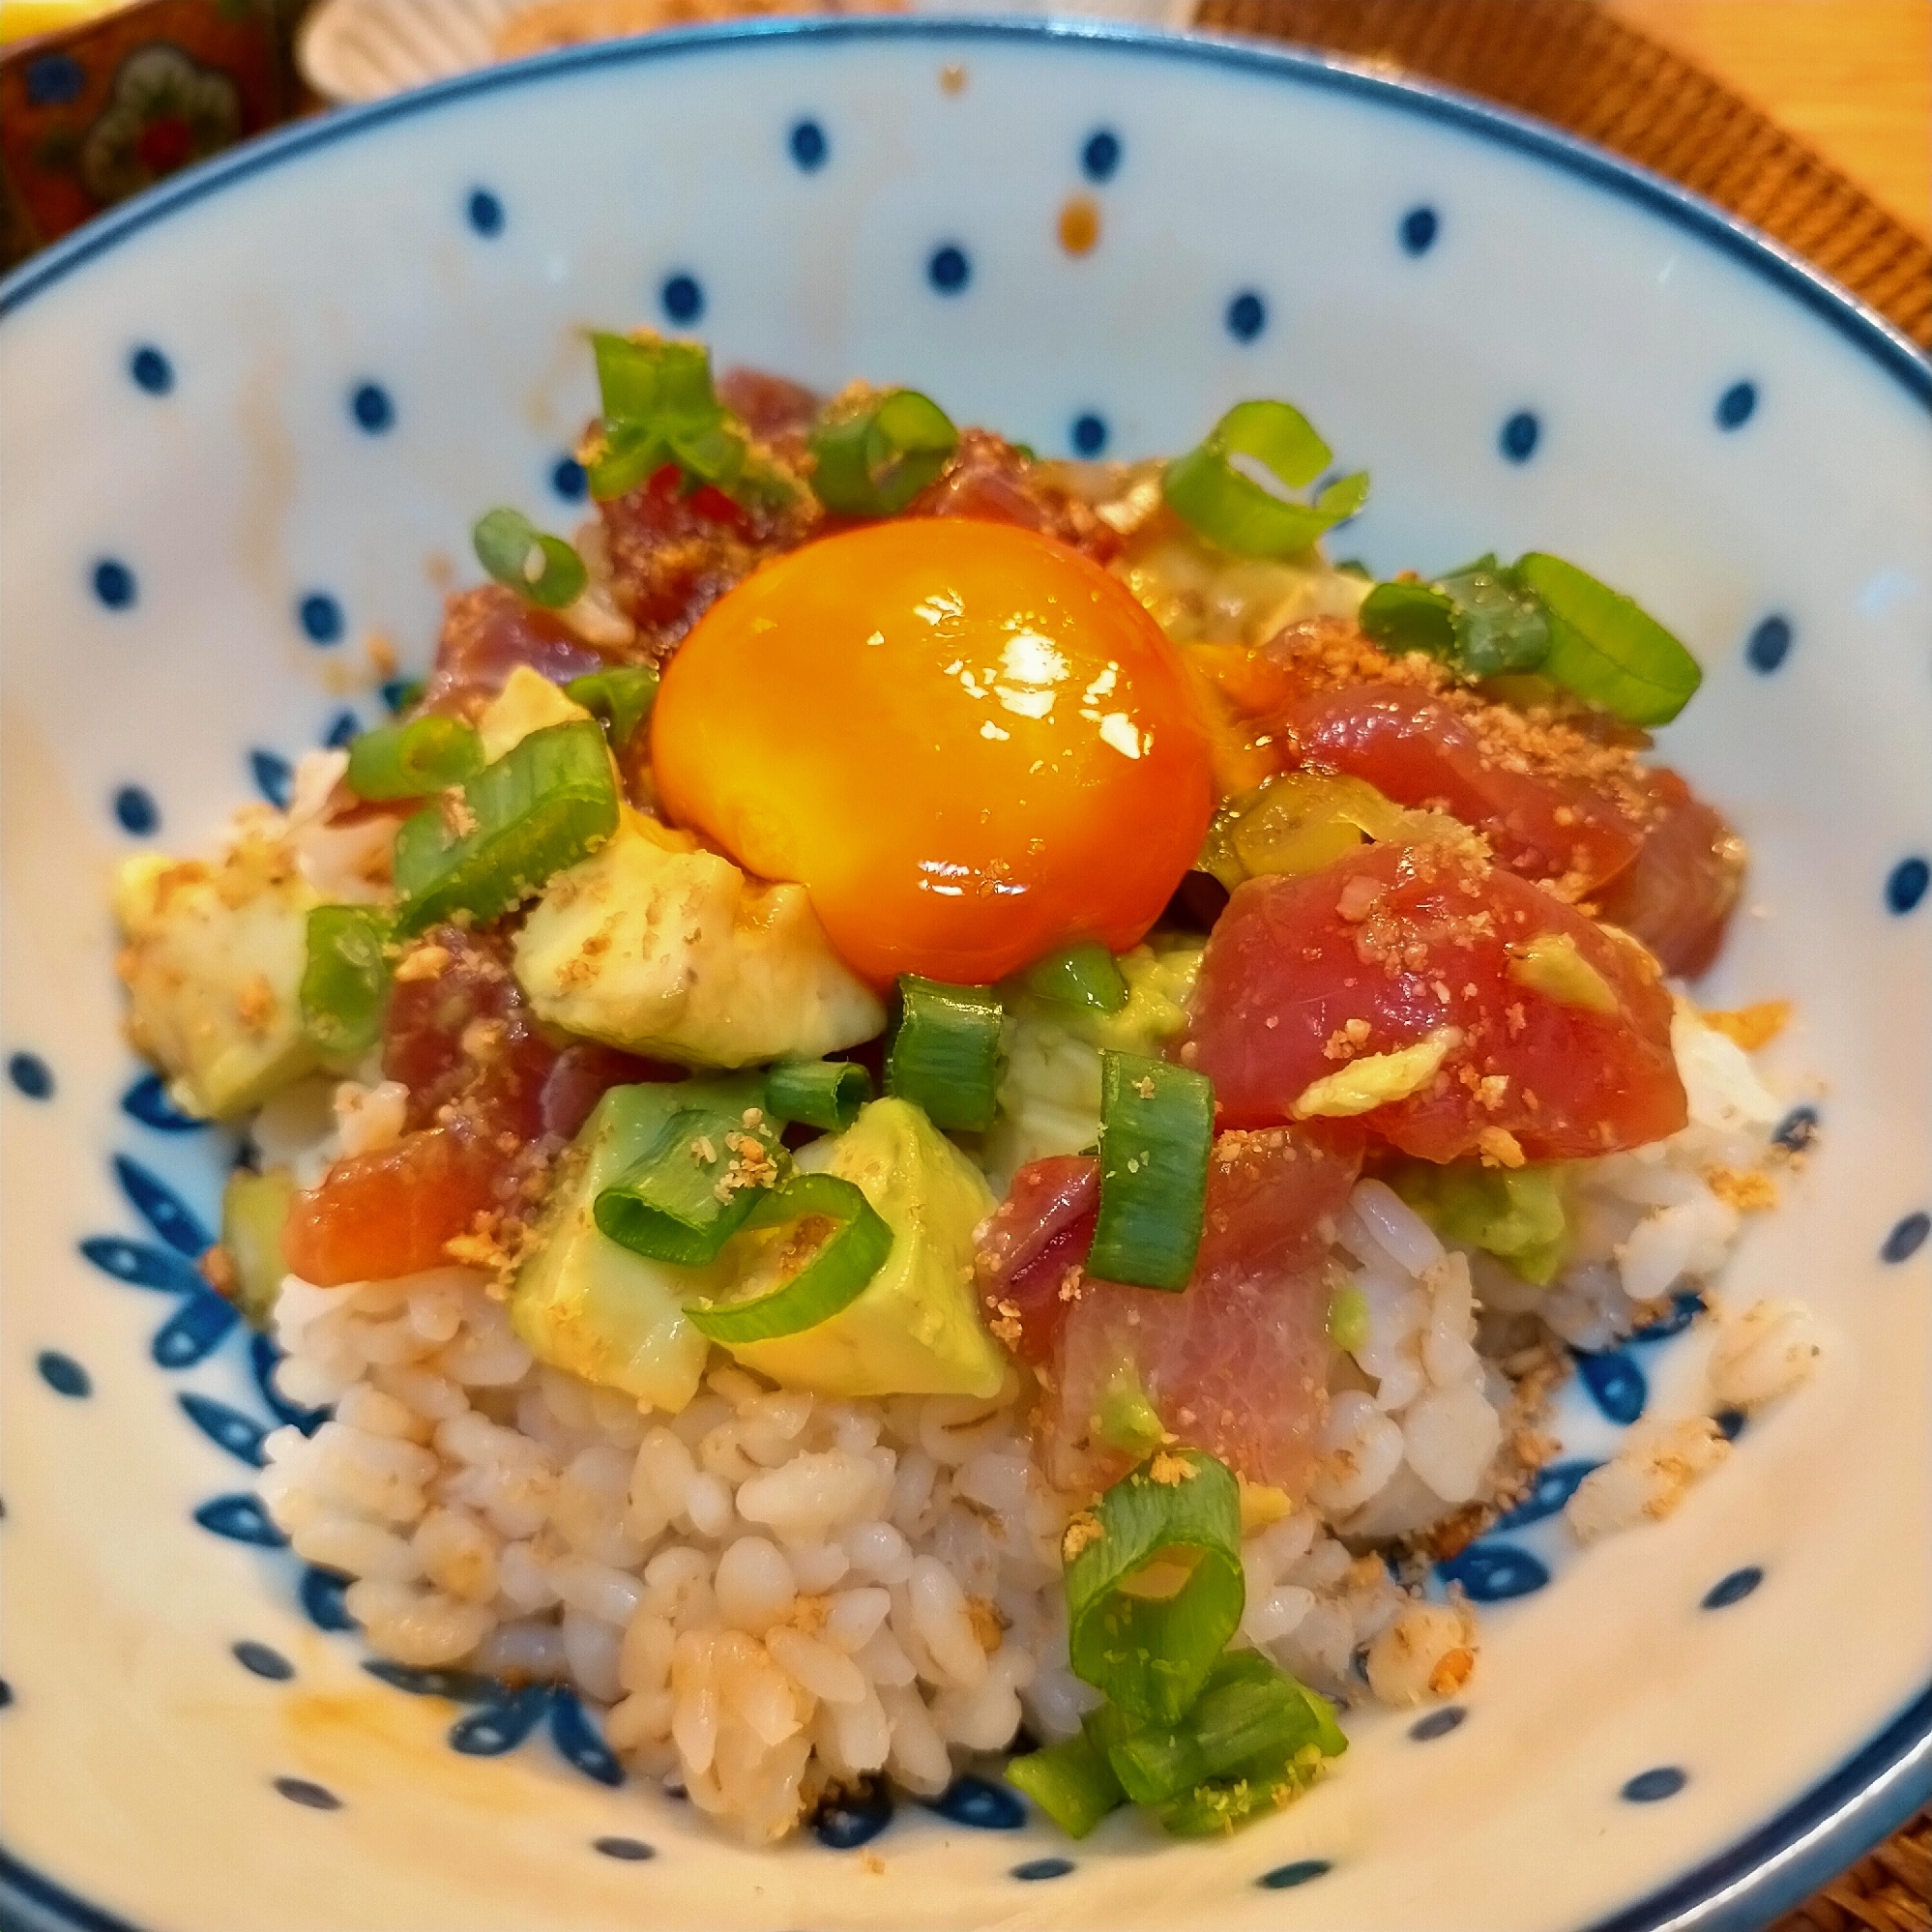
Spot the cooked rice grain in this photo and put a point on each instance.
(773, 1594)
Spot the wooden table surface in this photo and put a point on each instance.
(1852, 77)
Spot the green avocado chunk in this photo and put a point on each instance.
(1516, 1214)
(915, 1329)
(583, 1303)
(253, 1209)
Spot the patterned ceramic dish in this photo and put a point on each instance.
(260, 408)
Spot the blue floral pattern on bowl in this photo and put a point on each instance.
(1396, 306)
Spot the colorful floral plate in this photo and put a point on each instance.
(248, 422)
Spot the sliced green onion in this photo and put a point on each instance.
(1605, 649)
(945, 1052)
(1248, 1712)
(1542, 615)
(1153, 1583)
(1208, 491)
(823, 1094)
(621, 696)
(1483, 617)
(539, 808)
(659, 407)
(1501, 626)
(1266, 1781)
(1403, 617)
(643, 379)
(1223, 1806)
(410, 761)
(838, 1241)
(1108, 1725)
(698, 1184)
(1071, 1782)
(344, 982)
(1247, 1698)
(1157, 1131)
(1078, 975)
(542, 569)
(626, 459)
(875, 459)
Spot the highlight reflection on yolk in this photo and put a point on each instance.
(969, 742)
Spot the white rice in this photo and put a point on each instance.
(772, 1594)
(1760, 1353)
(1647, 1477)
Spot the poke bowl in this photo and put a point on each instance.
(837, 1098)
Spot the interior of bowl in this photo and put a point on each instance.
(248, 424)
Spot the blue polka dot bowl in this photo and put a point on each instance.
(248, 422)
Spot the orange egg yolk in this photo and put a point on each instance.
(967, 742)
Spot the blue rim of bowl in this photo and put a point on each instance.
(1880, 1786)
(1862, 326)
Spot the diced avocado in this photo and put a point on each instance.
(253, 1210)
(1376, 1080)
(1050, 1089)
(1515, 1214)
(1160, 976)
(1126, 1419)
(583, 1303)
(915, 1330)
(1300, 821)
(213, 965)
(656, 947)
(527, 702)
(1348, 1318)
(1550, 964)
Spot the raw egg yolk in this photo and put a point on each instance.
(969, 744)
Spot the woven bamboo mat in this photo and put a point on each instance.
(1563, 61)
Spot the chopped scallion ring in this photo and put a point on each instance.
(1500, 624)
(875, 459)
(1078, 975)
(823, 1094)
(542, 569)
(1157, 1131)
(411, 761)
(1154, 1582)
(1545, 616)
(659, 407)
(622, 696)
(648, 379)
(699, 1184)
(1482, 618)
(1071, 1782)
(945, 1052)
(828, 1242)
(539, 808)
(1606, 649)
(1403, 616)
(345, 981)
(1208, 491)
(1248, 1713)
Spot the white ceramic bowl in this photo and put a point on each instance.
(246, 422)
(354, 50)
